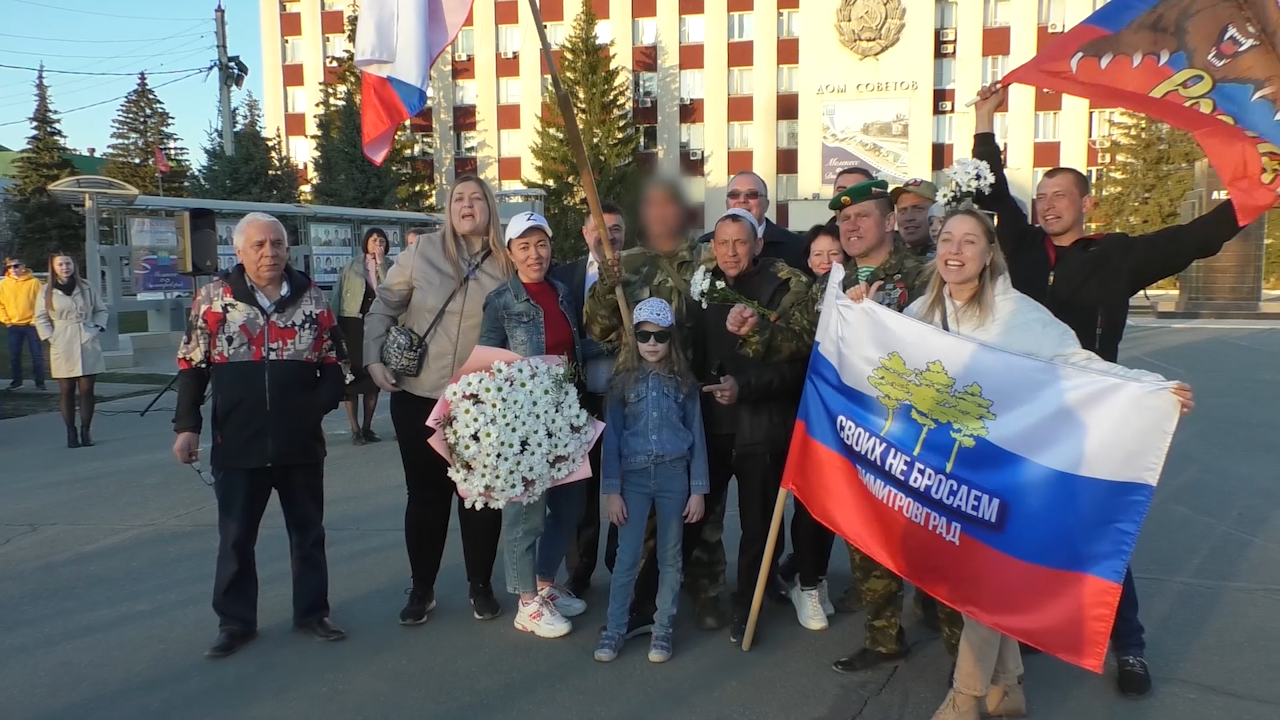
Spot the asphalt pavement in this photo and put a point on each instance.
(106, 568)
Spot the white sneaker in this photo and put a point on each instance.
(565, 602)
(824, 595)
(542, 619)
(808, 608)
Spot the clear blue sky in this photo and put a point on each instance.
(151, 35)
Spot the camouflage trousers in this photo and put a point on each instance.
(882, 594)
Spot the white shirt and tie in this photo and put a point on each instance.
(599, 370)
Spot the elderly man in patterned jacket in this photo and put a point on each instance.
(264, 336)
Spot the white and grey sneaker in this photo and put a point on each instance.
(824, 594)
(541, 618)
(568, 604)
(808, 608)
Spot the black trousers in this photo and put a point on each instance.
(582, 555)
(759, 476)
(813, 542)
(242, 499)
(431, 495)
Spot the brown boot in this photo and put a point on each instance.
(959, 707)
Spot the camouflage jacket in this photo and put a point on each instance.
(905, 276)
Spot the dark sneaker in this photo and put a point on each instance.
(787, 568)
(229, 642)
(369, 436)
(42, 387)
(710, 613)
(777, 590)
(865, 659)
(357, 439)
(738, 628)
(15, 384)
(420, 603)
(578, 585)
(484, 605)
(1134, 679)
(637, 625)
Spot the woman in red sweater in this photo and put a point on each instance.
(533, 315)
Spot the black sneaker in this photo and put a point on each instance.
(578, 585)
(1134, 678)
(738, 628)
(420, 603)
(484, 605)
(709, 613)
(787, 568)
(15, 384)
(865, 659)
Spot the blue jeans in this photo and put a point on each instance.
(565, 504)
(665, 488)
(1127, 635)
(17, 335)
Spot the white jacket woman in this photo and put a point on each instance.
(971, 295)
(70, 314)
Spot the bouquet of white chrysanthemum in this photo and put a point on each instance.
(707, 290)
(968, 178)
(512, 430)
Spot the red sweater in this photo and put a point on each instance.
(555, 325)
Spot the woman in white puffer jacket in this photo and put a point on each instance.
(971, 295)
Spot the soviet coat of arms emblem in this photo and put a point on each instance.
(869, 27)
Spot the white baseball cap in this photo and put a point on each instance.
(654, 310)
(523, 223)
(742, 215)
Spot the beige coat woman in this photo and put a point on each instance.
(71, 324)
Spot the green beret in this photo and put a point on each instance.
(869, 190)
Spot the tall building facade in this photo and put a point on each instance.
(786, 88)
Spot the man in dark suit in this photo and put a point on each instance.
(579, 276)
(748, 191)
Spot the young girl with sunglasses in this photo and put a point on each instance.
(654, 456)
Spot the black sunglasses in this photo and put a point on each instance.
(662, 336)
(15, 266)
(744, 194)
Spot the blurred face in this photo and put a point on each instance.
(1060, 206)
(468, 210)
(663, 218)
(653, 341)
(410, 239)
(848, 180)
(824, 252)
(935, 227)
(531, 254)
(913, 218)
(865, 230)
(378, 245)
(14, 268)
(615, 227)
(748, 193)
(264, 252)
(735, 245)
(963, 251)
(64, 266)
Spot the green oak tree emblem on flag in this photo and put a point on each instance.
(931, 394)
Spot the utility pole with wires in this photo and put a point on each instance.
(231, 73)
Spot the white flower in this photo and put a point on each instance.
(700, 285)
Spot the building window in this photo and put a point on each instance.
(465, 43)
(788, 23)
(997, 12)
(1046, 126)
(510, 185)
(994, 68)
(1001, 127)
(335, 46)
(695, 188)
(788, 78)
(788, 134)
(1037, 174)
(509, 37)
(944, 14)
(292, 50)
(295, 100)
(741, 26)
(648, 138)
(335, 4)
(739, 136)
(555, 33)
(299, 150)
(692, 29)
(740, 81)
(944, 129)
(604, 32)
(1053, 12)
(548, 89)
(644, 31)
(692, 137)
(509, 143)
(424, 144)
(508, 90)
(691, 84)
(290, 7)
(467, 143)
(1100, 123)
(464, 92)
(786, 187)
(944, 73)
(646, 84)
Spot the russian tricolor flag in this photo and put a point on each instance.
(397, 42)
(1008, 487)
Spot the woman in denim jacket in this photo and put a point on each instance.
(533, 315)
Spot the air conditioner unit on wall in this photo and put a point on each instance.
(461, 57)
(686, 101)
(646, 102)
(948, 48)
(1055, 27)
(947, 35)
(1102, 143)
(944, 106)
(509, 55)
(695, 154)
(1104, 158)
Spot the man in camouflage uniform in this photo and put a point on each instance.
(866, 217)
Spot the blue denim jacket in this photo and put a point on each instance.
(653, 422)
(512, 320)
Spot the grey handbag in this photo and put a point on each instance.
(404, 350)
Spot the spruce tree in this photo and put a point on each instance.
(39, 223)
(258, 172)
(1152, 168)
(141, 125)
(601, 99)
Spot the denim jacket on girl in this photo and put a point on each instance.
(512, 320)
(652, 422)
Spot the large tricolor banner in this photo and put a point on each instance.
(397, 42)
(1008, 487)
(1206, 66)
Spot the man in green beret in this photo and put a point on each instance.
(865, 213)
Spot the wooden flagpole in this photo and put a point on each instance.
(762, 580)
(573, 136)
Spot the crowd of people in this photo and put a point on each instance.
(692, 397)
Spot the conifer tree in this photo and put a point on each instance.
(601, 99)
(39, 223)
(259, 171)
(1152, 168)
(141, 125)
